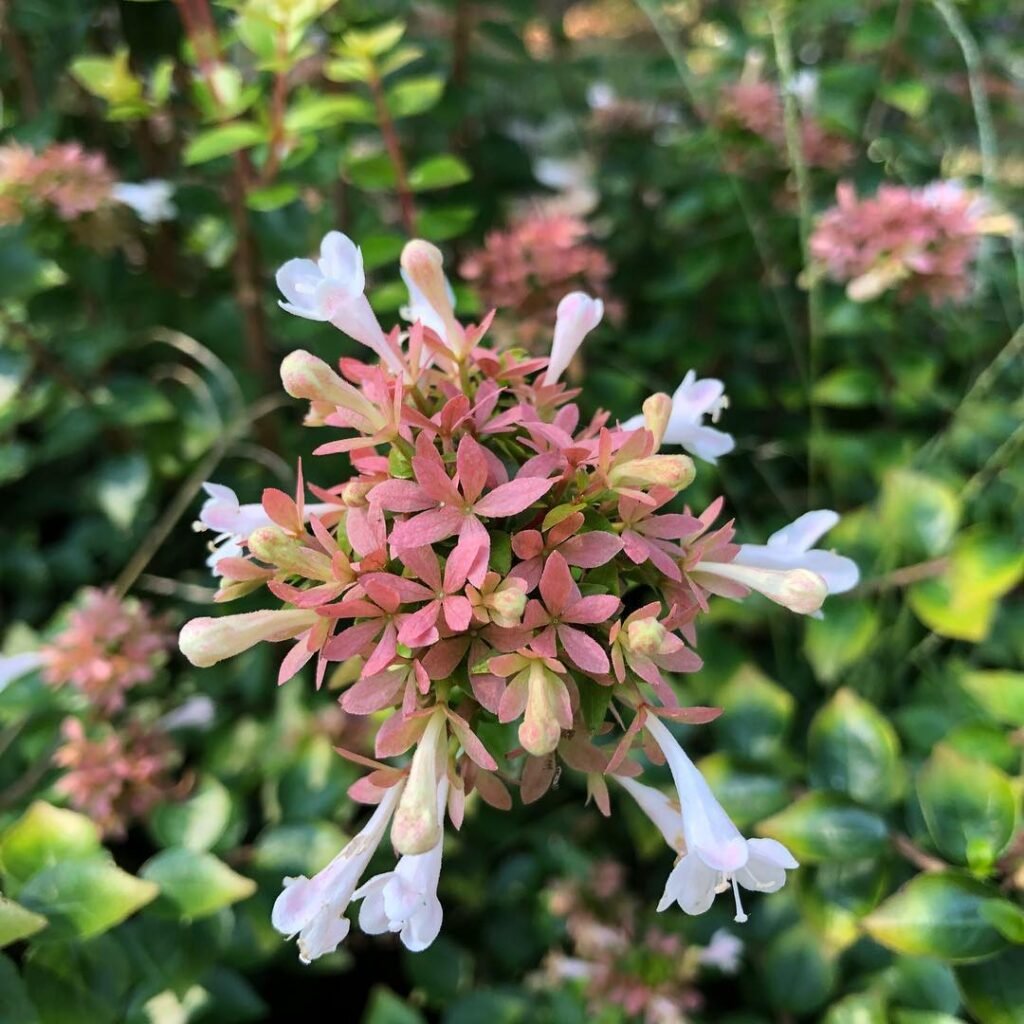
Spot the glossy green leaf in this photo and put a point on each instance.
(15, 1005)
(84, 898)
(438, 172)
(372, 42)
(820, 827)
(373, 171)
(994, 989)
(747, 797)
(196, 884)
(298, 849)
(223, 140)
(938, 915)
(386, 1008)
(16, 922)
(273, 197)
(999, 693)
(868, 1008)
(969, 807)
(121, 486)
(314, 113)
(840, 639)
(441, 223)
(415, 95)
(1007, 917)
(918, 513)
(910, 95)
(853, 749)
(799, 972)
(196, 823)
(43, 837)
(848, 387)
(756, 715)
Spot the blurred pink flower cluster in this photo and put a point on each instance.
(107, 647)
(64, 177)
(919, 241)
(619, 964)
(116, 777)
(526, 269)
(757, 108)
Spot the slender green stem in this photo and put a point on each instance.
(801, 176)
(987, 142)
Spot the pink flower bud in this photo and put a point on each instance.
(507, 604)
(417, 825)
(645, 636)
(548, 712)
(422, 266)
(657, 412)
(205, 641)
(675, 471)
(305, 376)
(272, 545)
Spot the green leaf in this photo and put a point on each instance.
(373, 172)
(799, 972)
(196, 884)
(223, 140)
(820, 827)
(43, 837)
(121, 485)
(911, 95)
(867, 1008)
(17, 923)
(937, 915)
(109, 78)
(298, 849)
(918, 513)
(746, 796)
(196, 823)
(594, 701)
(444, 222)
(84, 898)
(757, 713)
(853, 749)
(994, 989)
(415, 95)
(314, 113)
(968, 806)
(374, 41)
(840, 639)
(999, 693)
(1007, 917)
(349, 69)
(386, 1008)
(848, 388)
(15, 1005)
(438, 172)
(273, 197)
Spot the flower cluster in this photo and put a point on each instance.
(756, 107)
(72, 181)
(107, 647)
(494, 559)
(643, 972)
(116, 778)
(918, 241)
(527, 268)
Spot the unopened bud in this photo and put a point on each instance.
(507, 605)
(657, 411)
(675, 471)
(799, 590)
(417, 825)
(547, 712)
(306, 376)
(205, 641)
(423, 265)
(272, 545)
(645, 636)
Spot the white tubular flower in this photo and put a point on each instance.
(577, 315)
(717, 855)
(799, 590)
(663, 811)
(314, 908)
(233, 522)
(693, 400)
(417, 827)
(419, 307)
(405, 900)
(152, 200)
(792, 547)
(15, 666)
(724, 951)
(332, 290)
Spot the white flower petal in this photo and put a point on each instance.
(342, 261)
(805, 531)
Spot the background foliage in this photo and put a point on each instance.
(880, 743)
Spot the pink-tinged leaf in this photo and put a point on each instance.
(527, 544)
(441, 660)
(506, 664)
(538, 774)
(513, 700)
(457, 612)
(663, 556)
(472, 466)
(352, 608)
(544, 643)
(496, 472)
(634, 546)
(383, 589)
(492, 791)
(282, 510)
(597, 789)
(401, 496)
(683, 660)
(398, 734)
(529, 572)
(363, 791)
(471, 744)
(362, 759)
(589, 611)
(352, 641)
(589, 550)
(669, 527)
(456, 804)
(556, 584)
(407, 591)
(419, 625)
(512, 498)
(583, 650)
(295, 659)
(364, 527)
(689, 716)
(488, 690)
(625, 743)
(239, 569)
(426, 528)
(372, 693)
(428, 466)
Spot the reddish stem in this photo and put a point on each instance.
(387, 130)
